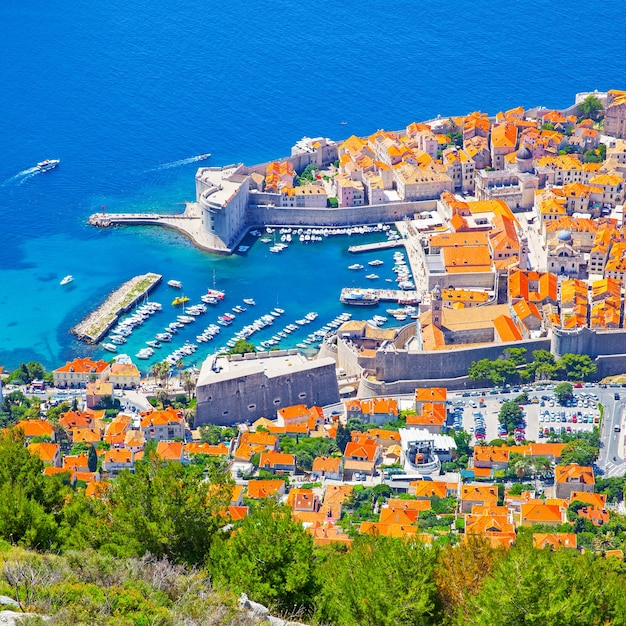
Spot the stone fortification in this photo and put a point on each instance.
(244, 388)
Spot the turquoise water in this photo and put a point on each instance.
(126, 92)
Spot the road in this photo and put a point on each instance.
(611, 451)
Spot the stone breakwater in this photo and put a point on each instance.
(97, 324)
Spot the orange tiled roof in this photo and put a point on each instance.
(83, 366)
(538, 512)
(273, 458)
(479, 493)
(326, 464)
(206, 448)
(47, 452)
(491, 454)
(259, 489)
(554, 540)
(118, 455)
(36, 428)
(170, 450)
(574, 473)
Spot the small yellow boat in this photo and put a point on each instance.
(179, 300)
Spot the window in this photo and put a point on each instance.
(225, 412)
(251, 407)
(277, 401)
(302, 395)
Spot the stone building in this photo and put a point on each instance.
(615, 114)
(244, 388)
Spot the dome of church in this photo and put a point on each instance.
(523, 154)
(564, 235)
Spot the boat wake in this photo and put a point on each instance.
(20, 177)
(167, 166)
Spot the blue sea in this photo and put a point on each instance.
(127, 92)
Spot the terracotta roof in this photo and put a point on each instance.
(83, 366)
(574, 473)
(170, 450)
(554, 540)
(326, 464)
(273, 458)
(537, 512)
(479, 493)
(47, 452)
(36, 428)
(259, 489)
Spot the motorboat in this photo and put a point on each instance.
(48, 164)
(110, 347)
(375, 263)
(372, 276)
(68, 279)
(249, 301)
(175, 283)
(355, 266)
(179, 300)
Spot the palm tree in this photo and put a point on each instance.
(155, 370)
(189, 382)
(179, 365)
(603, 542)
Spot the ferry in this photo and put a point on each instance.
(68, 279)
(179, 300)
(359, 297)
(48, 164)
(175, 283)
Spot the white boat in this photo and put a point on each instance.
(110, 347)
(372, 276)
(355, 266)
(175, 283)
(249, 301)
(243, 249)
(68, 279)
(48, 164)
(375, 263)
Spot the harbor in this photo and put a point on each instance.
(380, 245)
(96, 325)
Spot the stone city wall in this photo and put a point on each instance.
(258, 215)
(438, 364)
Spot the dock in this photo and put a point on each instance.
(98, 323)
(400, 296)
(380, 245)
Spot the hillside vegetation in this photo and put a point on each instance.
(157, 547)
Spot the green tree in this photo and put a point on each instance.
(380, 581)
(576, 589)
(343, 437)
(332, 203)
(242, 347)
(517, 355)
(92, 459)
(579, 452)
(577, 366)
(612, 487)
(165, 509)
(591, 106)
(270, 558)
(510, 415)
(563, 392)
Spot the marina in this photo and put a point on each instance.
(96, 325)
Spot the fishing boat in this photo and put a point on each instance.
(48, 164)
(68, 279)
(179, 300)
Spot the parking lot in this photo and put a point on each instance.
(477, 413)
